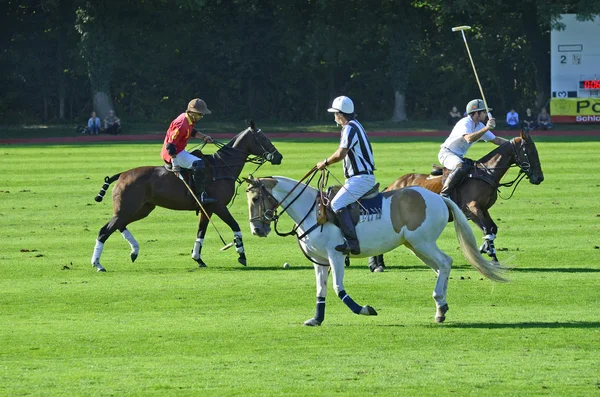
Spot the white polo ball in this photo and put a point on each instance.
(286, 265)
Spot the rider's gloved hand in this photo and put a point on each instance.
(171, 149)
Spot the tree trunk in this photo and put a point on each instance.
(540, 51)
(399, 107)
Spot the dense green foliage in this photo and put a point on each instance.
(270, 59)
(161, 327)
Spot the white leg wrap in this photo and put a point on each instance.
(239, 245)
(490, 237)
(135, 247)
(97, 252)
(197, 248)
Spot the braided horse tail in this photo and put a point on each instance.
(107, 182)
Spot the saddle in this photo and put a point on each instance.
(370, 206)
(476, 171)
(186, 174)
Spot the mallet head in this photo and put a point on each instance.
(457, 28)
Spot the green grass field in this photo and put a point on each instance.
(162, 327)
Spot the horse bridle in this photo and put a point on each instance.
(524, 164)
(271, 215)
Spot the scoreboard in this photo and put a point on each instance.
(575, 71)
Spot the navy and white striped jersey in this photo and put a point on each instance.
(359, 160)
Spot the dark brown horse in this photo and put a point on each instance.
(139, 190)
(479, 191)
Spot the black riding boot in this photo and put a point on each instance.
(454, 179)
(198, 175)
(350, 240)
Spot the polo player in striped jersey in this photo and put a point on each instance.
(357, 155)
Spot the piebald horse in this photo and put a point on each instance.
(413, 217)
(478, 192)
(139, 190)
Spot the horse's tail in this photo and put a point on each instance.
(468, 245)
(107, 182)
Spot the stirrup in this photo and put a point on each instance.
(205, 199)
(347, 249)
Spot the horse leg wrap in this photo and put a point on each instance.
(320, 312)
(239, 243)
(197, 250)
(355, 307)
(97, 252)
(135, 246)
(488, 246)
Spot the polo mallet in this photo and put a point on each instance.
(462, 31)
(227, 246)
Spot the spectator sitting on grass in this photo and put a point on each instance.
(93, 125)
(543, 120)
(453, 116)
(112, 124)
(528, 121)
(512, 119)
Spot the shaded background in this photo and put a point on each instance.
(272, 59)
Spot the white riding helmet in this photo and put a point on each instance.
(342, 104)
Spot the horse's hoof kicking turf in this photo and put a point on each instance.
(313, 322)
(440, 316)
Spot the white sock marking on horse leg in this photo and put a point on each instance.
(197, 248)
(97, 252)
(239, 244)
(135, 247)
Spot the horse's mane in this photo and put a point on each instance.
(294, 182)
(500, 149)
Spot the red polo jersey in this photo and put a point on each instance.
(178, 133)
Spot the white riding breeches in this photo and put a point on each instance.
(354, 188)
(449, 159)
(184, 159)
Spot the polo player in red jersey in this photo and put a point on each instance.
(178, 134)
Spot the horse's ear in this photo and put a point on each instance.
(252, 125)
(525, 134)
(249, 180)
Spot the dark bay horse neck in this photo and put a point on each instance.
(139, 190)
(475, 196)
(499, 161)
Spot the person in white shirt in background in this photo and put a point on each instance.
(465, 133)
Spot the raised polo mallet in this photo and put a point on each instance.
(462, 31)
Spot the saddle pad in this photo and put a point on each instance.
(370, 208)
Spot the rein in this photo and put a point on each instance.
(271, 215)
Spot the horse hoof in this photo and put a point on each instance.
(379, 269)
(313, 322)
(200, 262)
(98, 267)
(242, 259)
(440, 316)
(368, 311)
(133, 256)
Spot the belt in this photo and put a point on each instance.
(363, 173)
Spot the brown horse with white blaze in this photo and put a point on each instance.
(139, 190)
(479, 191)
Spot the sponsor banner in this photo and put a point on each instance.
(575, 110)
(575, 119)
